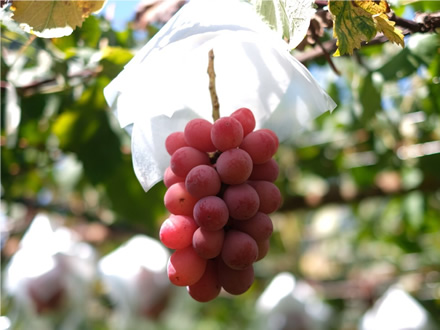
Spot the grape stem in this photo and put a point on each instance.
(212, 90)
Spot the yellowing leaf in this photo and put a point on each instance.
(53, 18)
(352, 25)
(358, 21)
(378, 11)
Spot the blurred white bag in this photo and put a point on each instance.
(50, 277)
(166, 83)
(287, 303)
(136, 280)
(396, 310)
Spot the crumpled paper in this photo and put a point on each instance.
(166, 84)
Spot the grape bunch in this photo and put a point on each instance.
(220, 190)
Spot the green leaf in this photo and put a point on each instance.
(403, 64)
(52, 18)
(128, 198)
(424, 46)
(414, 207)
(370, 98)
(114, 59)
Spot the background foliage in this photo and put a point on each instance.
(361, 187)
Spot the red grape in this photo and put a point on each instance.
(178, 200)
(220, 190)
(208, 244)
(185, 267)
(272, 133)
(234, 281)
(239, 250)
(263, 248)
(226, 133)
(259, 227)
(208, 287)
(203, 180)
(211, 213)
(169, 178)
(175, 141)
(234, 166)
(246, 119)
(177, 231)
(242, 201)
(185, 158)
(267, 171)
(260, 145)
(197, 134)
(269, 194)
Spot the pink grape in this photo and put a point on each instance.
(234, 166)
(177, 231)
(203, 180)
(226, 133)
(260, 145)
(220, 190)
(175, 141)
(186, 158)
(185, 267)
(211, 213)
(208, 287)
(242, 201)
(178, 200)
(269, 194)
(246, 119)
(208, 244)
(234, 281)
(239, 250)
(169, 178)
(263, 249)
(259, 227)
(267, 171)
(271, 133)
(197, 134)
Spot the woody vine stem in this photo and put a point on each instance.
(212, 90)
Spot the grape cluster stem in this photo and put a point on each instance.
(212, 90)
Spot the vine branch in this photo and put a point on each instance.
(428, 24)
(335, 196)
(212, 89)
(422, 23)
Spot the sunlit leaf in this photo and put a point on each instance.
(378, 11)
(290, 18)
(352, 25)
(358, 21)
(52, 19)
(113, 60)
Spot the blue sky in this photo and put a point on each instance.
(124, 11)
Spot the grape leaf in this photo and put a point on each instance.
(290, 18)
(52, 18)
(378, 10)
(358, 21)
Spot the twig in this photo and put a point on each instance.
(325, 52)
(212, 90)
(430, 23)
(335, 196)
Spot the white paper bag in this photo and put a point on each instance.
(166, 83)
